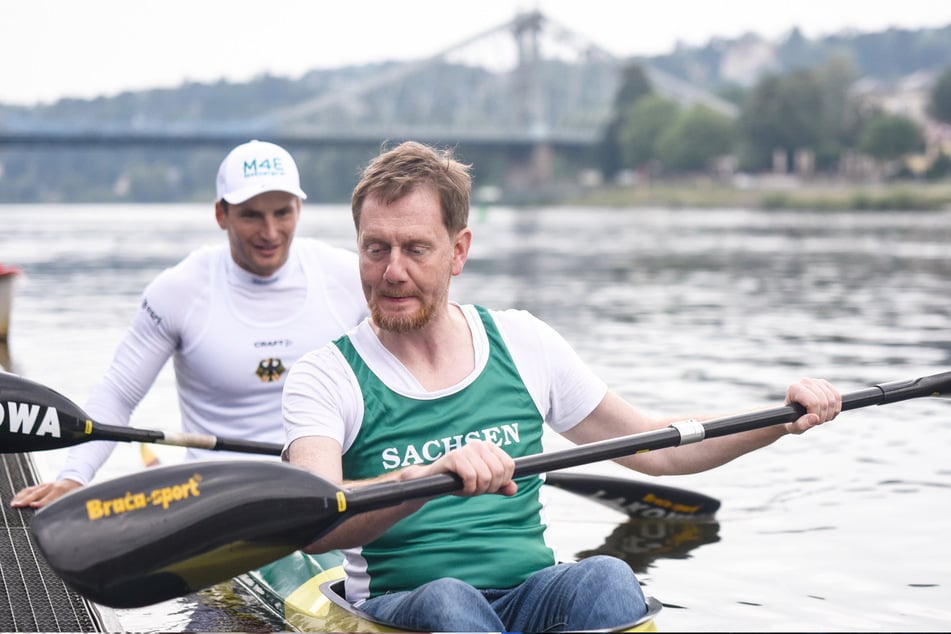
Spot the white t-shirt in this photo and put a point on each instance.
(233, 337)
(322, 396)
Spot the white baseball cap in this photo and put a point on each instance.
(256, 167)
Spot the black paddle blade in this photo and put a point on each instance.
(168, 531)
(34, 417)
(638, 499)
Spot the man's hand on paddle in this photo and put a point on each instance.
(821, 400)
(483, 466)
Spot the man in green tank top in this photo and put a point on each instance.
(427, 385)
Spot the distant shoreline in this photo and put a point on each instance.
(805, 195)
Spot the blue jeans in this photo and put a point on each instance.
(600, 592)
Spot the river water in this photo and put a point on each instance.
(682, 312)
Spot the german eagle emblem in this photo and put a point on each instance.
(270, 370)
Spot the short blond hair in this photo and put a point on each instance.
(402, 170)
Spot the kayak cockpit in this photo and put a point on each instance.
(307, 592)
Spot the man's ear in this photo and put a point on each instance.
(221, 214)
(460, 250)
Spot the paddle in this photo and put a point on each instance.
(34, 417)
(169, 531)
(638, 499)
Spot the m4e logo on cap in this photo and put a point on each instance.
(267, 167)
(270, 370)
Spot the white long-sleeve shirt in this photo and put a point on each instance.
(233, 337)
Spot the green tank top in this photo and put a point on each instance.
(489, 541)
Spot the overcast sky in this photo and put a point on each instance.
(86, 48)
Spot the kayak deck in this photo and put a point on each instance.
(306, 591)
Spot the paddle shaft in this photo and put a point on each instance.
(100, 431)
(638, 499)
(390, 493)
(34, 417)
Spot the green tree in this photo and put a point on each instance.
(889, 136)
(840, 118)
(783, 112)
(634, 85)
(695, 138)
(643, 126)
(939, 102)
(940, 167)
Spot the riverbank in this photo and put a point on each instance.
(774, 194)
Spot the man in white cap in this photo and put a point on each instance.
(234, 318)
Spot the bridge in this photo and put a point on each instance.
(536, 87)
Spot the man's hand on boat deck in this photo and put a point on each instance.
(822, 402)
(483, 466)
(39, 495)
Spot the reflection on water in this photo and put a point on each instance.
(682, 312)
(224, 607)
(640, 541)
(221, 608)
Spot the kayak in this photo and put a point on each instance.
(306, 592)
